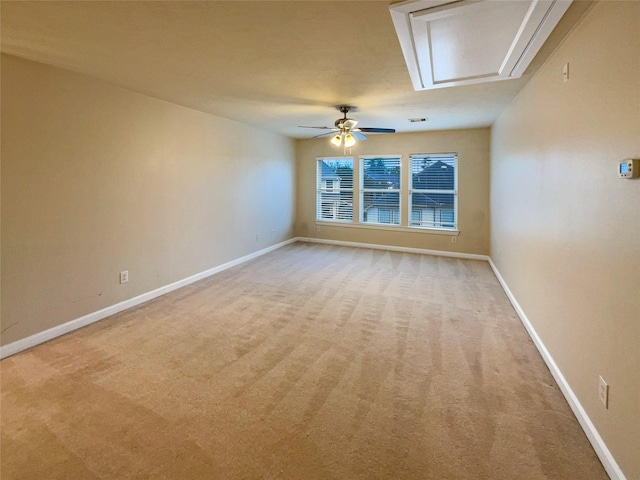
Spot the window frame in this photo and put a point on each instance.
(362, 159)
(434, 224)
(322, 189)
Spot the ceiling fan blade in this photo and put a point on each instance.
(323, 128)
(377, 130)
(358, 135)
(350, 124)
(325, 134)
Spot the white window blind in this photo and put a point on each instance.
(433, 196)
(334, 198)
(380, 189)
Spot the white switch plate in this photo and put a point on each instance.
(603, 392)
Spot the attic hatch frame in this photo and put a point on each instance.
(417, 20)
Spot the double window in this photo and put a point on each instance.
(419, 194)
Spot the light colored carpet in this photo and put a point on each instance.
(311, 362)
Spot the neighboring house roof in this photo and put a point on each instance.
(422, 200)
(437, 176)
(383, 200)
(419, 200)
(391, 180)
(327, 173)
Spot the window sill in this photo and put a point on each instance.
(377, 226)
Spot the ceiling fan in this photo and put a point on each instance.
(345, 130)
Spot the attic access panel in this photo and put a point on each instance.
(449, 43)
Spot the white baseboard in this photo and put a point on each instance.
(51, 333)
(605, 456)
(423, 251)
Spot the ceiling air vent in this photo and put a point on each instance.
(449, 43)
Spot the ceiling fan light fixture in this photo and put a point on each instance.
(337, 140)
(349, 140)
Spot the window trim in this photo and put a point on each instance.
(334, 190)
(387, 227)
(361, 190)
(453, 191)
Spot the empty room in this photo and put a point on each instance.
(320, 240)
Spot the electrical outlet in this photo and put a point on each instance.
(257, 238)
(603, 392)
(318, 228)
(454, 239)
(565, 72)
(124, 276)
(273, 232)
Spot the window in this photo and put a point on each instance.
(386, 215)
(433, 199)
(334, 189)
(418, 193)
(380, 189)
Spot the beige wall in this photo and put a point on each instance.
(472, 147)
(97, 179)
(565, 230)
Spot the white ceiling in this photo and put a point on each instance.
(274, 64)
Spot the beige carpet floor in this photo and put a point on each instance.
(311, 362)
